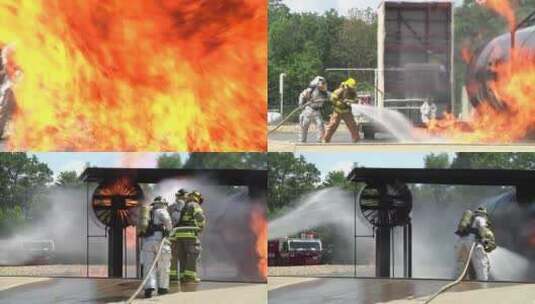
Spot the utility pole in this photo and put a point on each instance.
(281, 93)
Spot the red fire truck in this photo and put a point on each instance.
(306, 250)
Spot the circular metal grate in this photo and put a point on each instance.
(386, 204)
(114, 202)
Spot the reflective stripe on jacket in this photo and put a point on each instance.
(192, 216)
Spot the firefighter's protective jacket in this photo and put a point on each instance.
(341, 97)
(192, 216)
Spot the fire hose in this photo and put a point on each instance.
(459, 279)
(151, 269)
(156, 258)
(288, 117)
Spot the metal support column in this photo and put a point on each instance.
(407, 250)
(115, 252)
(355, 233)
(382, 252)
(87, 229)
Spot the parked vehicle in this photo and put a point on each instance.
(294, 251)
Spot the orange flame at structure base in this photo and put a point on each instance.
(137, 75)
(259, 226)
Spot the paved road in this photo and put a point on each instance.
(359, 291)
(289, 134)
(81, 290)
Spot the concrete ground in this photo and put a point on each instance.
(323, 270)
(81, 290)
(285, 140)
(297, 290)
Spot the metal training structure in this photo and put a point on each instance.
(415, 55)
(118, 193)
(386, 201)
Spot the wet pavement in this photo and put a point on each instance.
(360, 291)
(342, 135)
(80, 290)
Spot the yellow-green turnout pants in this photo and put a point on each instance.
(189, 251)
(174, 262)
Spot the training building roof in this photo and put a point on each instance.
(503, 177)
(234, 177)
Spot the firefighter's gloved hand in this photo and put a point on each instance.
(348, 101)
(487, 239)
(489, 245)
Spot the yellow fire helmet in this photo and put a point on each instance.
(351, 83)
(181, 193)
(195, 196)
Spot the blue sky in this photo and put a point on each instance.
(324, 161)
(68, 161)
(329, 161)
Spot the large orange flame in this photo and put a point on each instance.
(258, 224)
(514, 86)
(503, 8)
(137, 75)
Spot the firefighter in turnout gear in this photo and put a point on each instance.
(342, 99)
(186, 236)
(175, 210)
(312, 100)
(475, 226)
(157, 227)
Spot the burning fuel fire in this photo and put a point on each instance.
(513, 85)
(259, 226)
(138, 75)
(502, 7)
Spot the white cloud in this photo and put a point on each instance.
(345, 166)
(76, 165)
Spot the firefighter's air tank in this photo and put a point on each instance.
(143, 219)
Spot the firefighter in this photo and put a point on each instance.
(175, 210)
(475, 227)
(342, 99)
(186, 235)
(156, 225)
(312, 100)
(428, 112)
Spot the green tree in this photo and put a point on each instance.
(226, 161)
(338, 179)
(482, 160)
(288, 178)
(22, 179)
(23, 183)
(303, 45)
(11, 219)
(169, 161)
(68, 179)
(437, 161)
